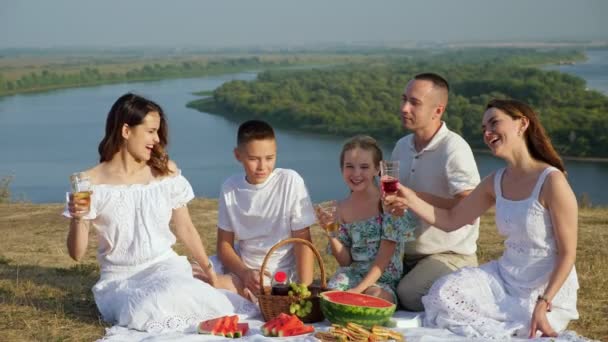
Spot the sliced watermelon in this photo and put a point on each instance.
(210, 326)
(267, 329)
(241, 330)
(234, 320)
(293, 322)
(304, 329)
(229, 325)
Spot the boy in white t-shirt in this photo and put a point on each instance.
(260, 208)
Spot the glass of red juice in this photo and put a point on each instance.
(389, 175)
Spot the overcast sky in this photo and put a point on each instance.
(230, 23)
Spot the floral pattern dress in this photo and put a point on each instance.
(363, 238)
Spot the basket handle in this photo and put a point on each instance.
(284, 242)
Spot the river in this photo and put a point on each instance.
(46, 136)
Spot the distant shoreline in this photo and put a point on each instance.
(210, 106)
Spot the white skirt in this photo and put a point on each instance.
(163, 296)
(476, 302)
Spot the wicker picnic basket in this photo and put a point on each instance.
(272, 305)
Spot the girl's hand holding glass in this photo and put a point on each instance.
(327, 215)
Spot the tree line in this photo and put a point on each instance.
(364, 99)
(87, 76)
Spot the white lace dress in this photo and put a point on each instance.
(496, 300)
(144, 284)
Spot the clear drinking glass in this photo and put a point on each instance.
(81, 190)
(389, 175)
(327, 214)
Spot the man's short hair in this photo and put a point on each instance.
(437, 80)
(254, 130)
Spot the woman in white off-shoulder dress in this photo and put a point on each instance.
(533, 286)
(136, 193)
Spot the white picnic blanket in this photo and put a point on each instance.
(408, 323)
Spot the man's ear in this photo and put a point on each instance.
(126, 131)
(439, 110)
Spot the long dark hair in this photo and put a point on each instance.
(131, 109)
(536, 138)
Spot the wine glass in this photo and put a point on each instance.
(389, 175)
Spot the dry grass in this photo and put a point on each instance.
(45, 296)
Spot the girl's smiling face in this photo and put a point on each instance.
(358, 169)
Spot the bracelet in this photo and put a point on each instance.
(543, 298)
(208, 268)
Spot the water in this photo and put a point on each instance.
(594, 70)
(45, 137)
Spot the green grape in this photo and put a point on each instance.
(290, 293)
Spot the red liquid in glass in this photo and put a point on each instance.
(389, 185)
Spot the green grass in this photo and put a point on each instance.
(45, 296)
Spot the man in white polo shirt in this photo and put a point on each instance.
(439, 165)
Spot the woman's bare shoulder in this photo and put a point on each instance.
(104, 173)
(94, 172)
(173, 169)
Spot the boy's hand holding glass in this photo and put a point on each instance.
(327, 215)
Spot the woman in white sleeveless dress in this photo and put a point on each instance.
(136, 192)
(533, 286)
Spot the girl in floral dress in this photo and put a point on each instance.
(369, 243)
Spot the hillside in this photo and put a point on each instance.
(45, 296)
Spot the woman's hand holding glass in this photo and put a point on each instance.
(79, 203)
(327, 215)
(397, 203)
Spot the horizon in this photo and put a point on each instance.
(275, 24)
